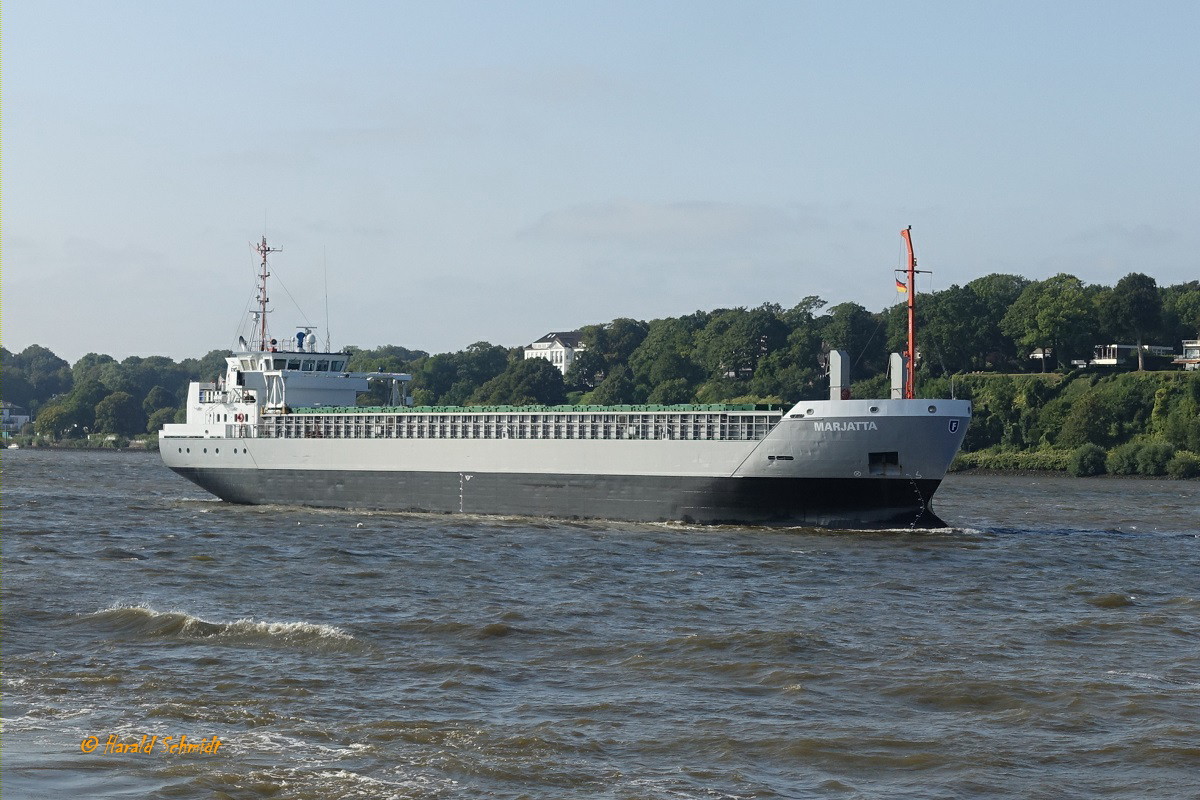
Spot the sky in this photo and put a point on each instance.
(456, 172)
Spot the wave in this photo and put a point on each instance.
(148, 623)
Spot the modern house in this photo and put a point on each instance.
(13, 419)
(1111, 355)
(1191, 354)
(559, 348)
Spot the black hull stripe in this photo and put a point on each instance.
(830, 502)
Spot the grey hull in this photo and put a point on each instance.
(832, 502)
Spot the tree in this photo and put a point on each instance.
(1134, 308)
(734, 341)
(159, 418)
(120, 412)
(1055, 314)
(616, 340)
(525, 382)
(59, 419)
(950, 332)
(33, 376)
(157, 398)
(208, 368)
(586, 371)
(88, 367)
(677, 390)
(852, 328)
(452, 378)
(997, 293)
(664, 355)
(615, 389)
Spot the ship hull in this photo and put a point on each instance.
(771, 501)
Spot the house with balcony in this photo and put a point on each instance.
(1112, 355)
(1191, 355)
(13, 419)
(557, 347)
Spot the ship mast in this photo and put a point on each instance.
(910, 353)
(262, 249)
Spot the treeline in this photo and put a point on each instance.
(100, 394)
(770, 354)
(1135, 423)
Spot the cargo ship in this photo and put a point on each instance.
(283, 426)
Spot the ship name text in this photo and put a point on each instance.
(845, 426)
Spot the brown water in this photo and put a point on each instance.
(1044, 647)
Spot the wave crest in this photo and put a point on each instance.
(148, 623)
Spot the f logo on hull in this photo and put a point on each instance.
(954, 426)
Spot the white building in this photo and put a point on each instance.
(14, 418)
(1111, 355)
(559, 348)
(1191, 354)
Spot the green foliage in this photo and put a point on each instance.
(159, 418)
(1184, 465)
(997, 293)
(1123, 460)
(1134, 308)
(676, 390)
(1032, 460)
(1087, 460)
(615, 389)
(120, 412)
(1153, 457)
(1181, 311)
(734, 341)
(33, 376)
(764, 354)
(586, 371)
(1056, 313)
(60, 420)
(531, 381)
(158, 398)
(852, 328)
(448, 378)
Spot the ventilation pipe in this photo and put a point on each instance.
(839, 375)
(899, 373)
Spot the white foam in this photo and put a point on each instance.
(196, 626)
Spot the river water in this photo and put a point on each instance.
(1046, 646)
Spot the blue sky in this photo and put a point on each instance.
(468, 171)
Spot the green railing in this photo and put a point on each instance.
(564, 409)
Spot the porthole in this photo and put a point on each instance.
(810, 412)
(933, 409)
(874, 409)
(181, 449)
(218, 450)
(189, 449)
(206, 450)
